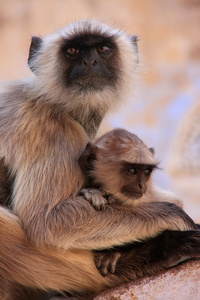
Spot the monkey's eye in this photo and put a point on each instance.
(104, 49)
(131, 171)
(72, 51)
(148, 172)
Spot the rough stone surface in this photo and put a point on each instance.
(181, 283)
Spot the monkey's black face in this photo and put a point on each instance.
(136, 177)
(90, 62)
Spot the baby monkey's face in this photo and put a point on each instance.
(135, 178)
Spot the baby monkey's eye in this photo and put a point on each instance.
(104, 49)
(72, 51)
(131, 171)
(147, 172)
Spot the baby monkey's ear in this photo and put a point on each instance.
(88, 157)
(152, 150)
(134, 40)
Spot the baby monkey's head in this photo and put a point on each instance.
(119, 163)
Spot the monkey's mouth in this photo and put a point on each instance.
(135, 196)
(92, 82)
(130, 191)
(132, 195)
(89, 80)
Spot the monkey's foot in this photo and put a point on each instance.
(106, 261)
(95, 197)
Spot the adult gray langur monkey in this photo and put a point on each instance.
(79, 74)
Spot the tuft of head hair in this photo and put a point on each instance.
(123, 145)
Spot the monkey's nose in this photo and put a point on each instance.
(89, 62)
(140, 185)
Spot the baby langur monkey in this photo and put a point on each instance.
(118, 169)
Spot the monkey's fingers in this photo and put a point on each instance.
(104, 267)
(95, 197)
(102, 262)
(98, 259)
(113, 261)
(86, 193)
(106, 261)
(99, 202)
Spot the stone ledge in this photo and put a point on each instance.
(179, 283)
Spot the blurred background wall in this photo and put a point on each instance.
(165, 111)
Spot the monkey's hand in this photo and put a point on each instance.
(95, 197)
(177, 246)
(106, 260)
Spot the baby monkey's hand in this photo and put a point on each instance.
(96, 197)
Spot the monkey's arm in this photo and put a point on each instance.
(74, 223)
(117, 225)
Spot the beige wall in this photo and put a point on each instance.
(169, 33)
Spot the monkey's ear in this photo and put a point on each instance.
(36, 43)
(152, 150)
(134, 40)
(87, 157)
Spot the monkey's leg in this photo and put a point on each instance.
(149, 258)
(72, 271)
(75, 271)
(45, 269)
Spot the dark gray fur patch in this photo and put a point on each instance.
(91, 123)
